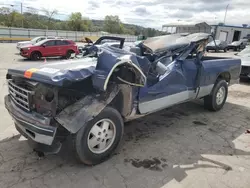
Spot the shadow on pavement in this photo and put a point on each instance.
(51, 59)
(156, 149)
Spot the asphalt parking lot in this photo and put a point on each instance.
(185, 146)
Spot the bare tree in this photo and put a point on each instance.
(50, 15)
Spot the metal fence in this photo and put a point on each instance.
(13, 34)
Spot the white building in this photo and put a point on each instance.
(179, 27)
(230, 33)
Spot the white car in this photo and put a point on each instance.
(34, 41)
(245, 62)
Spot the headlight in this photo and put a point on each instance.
(26, 49)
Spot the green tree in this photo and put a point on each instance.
(79, 23)
(86, 24)
(75, 21)
(10, 18)
(112, 24)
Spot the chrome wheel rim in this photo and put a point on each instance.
(101, 136)
(220, 96)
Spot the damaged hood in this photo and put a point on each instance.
(57, 73)
(171, 42)
(107, 61)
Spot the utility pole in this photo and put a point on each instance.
(225, 14)
(22, 13)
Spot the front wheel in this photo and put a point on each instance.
(36, 56)
(216, 100)
(95, 142)
(225, 49)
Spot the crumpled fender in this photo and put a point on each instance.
(75, 116)
(108, 61)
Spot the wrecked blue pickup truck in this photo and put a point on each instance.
(90, 98)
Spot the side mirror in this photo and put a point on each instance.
(44, 45)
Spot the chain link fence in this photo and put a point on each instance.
(19, 34)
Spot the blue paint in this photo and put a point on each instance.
(181, 74)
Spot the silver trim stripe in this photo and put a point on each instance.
(170, 100)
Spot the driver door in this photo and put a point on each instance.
(170, 89)
(178, 84)
(50, 49)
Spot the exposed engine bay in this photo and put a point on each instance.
(45, 99)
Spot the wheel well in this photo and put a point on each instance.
(70, 50)
(36, 52)
(224, 76)
(123, 101)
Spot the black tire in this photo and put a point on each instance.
(80, 139)
(210, 101)
(225, 49)
(207, 50)
(68, 54)
(36, 56)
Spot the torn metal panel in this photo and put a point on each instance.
(78, 114)
(123, 102)
(172, 42)
(110, 62)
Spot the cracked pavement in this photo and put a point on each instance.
(184, 146)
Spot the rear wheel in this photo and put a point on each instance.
(36, 56)
(68, 54)
(216, 100)
(95, 142)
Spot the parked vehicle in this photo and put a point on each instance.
(247, 37)
(116, 42)
(238, 45)
(90, 98)
(217, 45)
(34, 41)
(50, 48)
(245, 62)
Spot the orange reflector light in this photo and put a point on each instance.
(28, 73)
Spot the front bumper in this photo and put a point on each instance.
(33, 126)
(24, 54)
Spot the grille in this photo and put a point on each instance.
(19, 95)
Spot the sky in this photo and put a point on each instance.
(148, 13)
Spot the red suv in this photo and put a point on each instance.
(50, 48)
